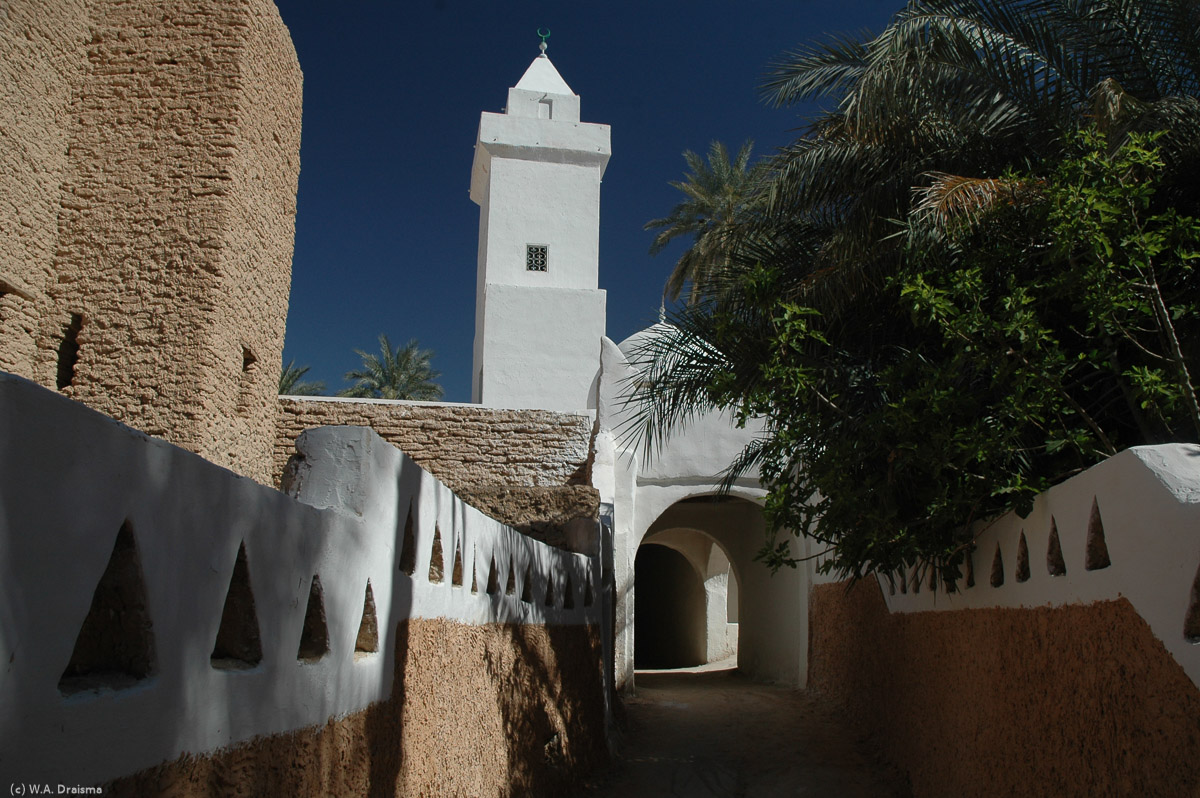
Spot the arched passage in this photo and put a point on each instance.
(760, 616)
(702, 600)
(669, 610)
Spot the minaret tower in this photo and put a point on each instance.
(539, 315)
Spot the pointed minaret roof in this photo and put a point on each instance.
(543, 77)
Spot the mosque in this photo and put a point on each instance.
(207, 588)
(688, 589)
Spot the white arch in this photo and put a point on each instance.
(773, 610)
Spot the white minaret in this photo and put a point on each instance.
(539, 315)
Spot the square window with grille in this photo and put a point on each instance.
(535, 257)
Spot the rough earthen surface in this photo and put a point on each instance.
(149, 156)
(475, 710)
(464, 446)
(545, 514)
(713, 733)
(1074, 700)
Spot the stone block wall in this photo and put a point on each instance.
(145, 260)
(526, 468)
(462, 445)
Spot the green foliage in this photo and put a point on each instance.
(998, 361)
(403, 372)
(943, 298)
(290, 383)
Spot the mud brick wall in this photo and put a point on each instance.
(465, 446)
(145, 256)
(526, 468)
(1070, 700)
(41, 63)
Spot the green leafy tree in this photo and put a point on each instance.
(402, 372)
(290, 383)
(910, 307)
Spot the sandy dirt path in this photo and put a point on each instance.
(712, 732)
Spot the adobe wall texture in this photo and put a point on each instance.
(151, 157)
(41, 63)
(526, 468)
(535, 722)
(1071, 700)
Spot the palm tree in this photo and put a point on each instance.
(291, 385)
(931, 115)
(718, 196)
(400, 373)
(969, 89)
(933, 118)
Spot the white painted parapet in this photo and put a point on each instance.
(1127, 527)
(75, 485)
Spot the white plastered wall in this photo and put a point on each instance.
(1146, 500)
(71, 477)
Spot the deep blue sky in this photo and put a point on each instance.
(393, 89)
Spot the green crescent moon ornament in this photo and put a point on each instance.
(545, 35)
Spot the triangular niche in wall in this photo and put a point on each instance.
(1055, 565)
(1097, 547)
(238, 645)
(997, 568)
(527, 586)
(510, 589)
(456, 575)
(314, 638)
(475, 570)
(367, 641)
(437, 560)
(587, 592)
(568, 593)
(408, 554)
(1022, 559)
(550, 591)
(493, 579)
(115, 646)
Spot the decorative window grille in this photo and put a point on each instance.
(535, 257)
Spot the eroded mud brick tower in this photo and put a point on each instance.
(539, 315)
(149, 157)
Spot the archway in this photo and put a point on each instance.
(747, 610)
(669, 610)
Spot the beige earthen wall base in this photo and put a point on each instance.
(476, 711)
(149, 157)
(463, 446)
(1074, 700)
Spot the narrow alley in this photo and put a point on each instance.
(710, 732)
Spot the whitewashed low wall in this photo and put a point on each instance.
(1128, 527)
(71, 479)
